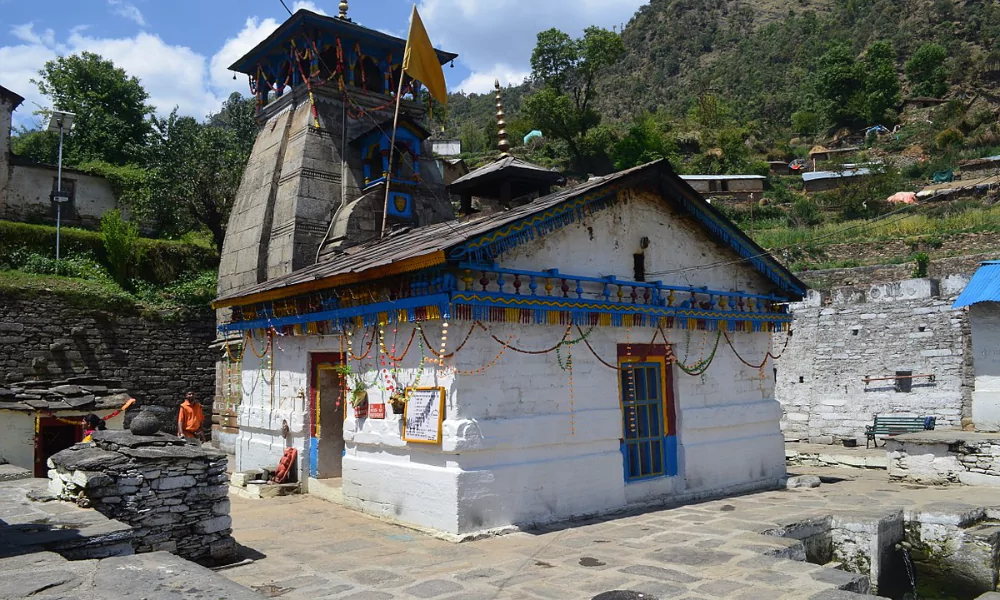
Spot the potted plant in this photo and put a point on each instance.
(359, 399)
(398, 402)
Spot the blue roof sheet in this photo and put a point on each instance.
(983, 287)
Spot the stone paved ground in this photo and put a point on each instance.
(316, 549)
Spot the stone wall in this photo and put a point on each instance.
(842, 336)
(47, 337)
(945, 457)
(172, 493)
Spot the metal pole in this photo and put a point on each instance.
(59, 192)
(392, 148)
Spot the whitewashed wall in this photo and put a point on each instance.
(5, 119)
(17, 443)
(28, 193)
(984, 318)
(513, 449)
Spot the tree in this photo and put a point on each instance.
(239, 115)
(199, 168)
(926, 71)
(881, 82)
(111, 111)
(567, 69)
(840, 85)
(644, 141)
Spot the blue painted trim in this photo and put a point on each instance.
(314, 457)
(670, 455)
(439, 300)
(581, 308)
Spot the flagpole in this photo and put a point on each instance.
(392, 148)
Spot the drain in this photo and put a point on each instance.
(623, 595)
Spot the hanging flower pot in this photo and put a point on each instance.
(398, 403)
(359, 400)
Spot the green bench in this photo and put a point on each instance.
(891, 425)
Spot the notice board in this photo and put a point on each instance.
(423, 415)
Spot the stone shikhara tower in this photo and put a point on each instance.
(315, 182)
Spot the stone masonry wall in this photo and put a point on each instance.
(966, 457)
(172, 493)
(46, 337)
(842, 336)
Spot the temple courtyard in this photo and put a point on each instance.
(753, 546)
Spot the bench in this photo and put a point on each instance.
(890, 425)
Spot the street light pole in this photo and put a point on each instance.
(59, 195)
(60, 121)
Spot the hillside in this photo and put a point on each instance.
(720, 86)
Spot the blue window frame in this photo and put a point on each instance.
(642, 397)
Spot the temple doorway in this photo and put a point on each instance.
(326, 384)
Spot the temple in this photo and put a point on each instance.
(554, 352)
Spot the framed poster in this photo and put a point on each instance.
(423, 415)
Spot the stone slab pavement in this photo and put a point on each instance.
(316, 549)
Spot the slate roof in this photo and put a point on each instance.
(721, 177)
(834, 174)
(14, 97)
(504, 168)
(302, 17)
(422, 241)
(983, 287)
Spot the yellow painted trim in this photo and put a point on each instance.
(440, 416)
(403, 266)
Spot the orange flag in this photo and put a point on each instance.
(421, 62)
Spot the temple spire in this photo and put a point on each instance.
(502, 143)
(343, 9)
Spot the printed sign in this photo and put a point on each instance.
(423, 415)
(376, 411)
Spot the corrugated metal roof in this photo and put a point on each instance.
(833, 174)
(983, 287)
(719, 177)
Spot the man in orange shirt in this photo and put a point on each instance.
(190, 418)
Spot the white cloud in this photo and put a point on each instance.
(481, 82)
(254, 31)
(308, 6)
(495, 39)
(26, 33)
(128, 11)
(18, 65)
(176, 77)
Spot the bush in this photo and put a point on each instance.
(805, 213)
(121, 242)
(923, 261)
(805, 122)
(161, 262)
(81, 267)
(948, 138)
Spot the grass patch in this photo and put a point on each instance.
(894, 227)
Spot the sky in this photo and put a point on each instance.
(180, 49)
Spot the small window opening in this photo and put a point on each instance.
(921, 328)
(904, 381)
(854, 332)
(639, 266)
(801, 379)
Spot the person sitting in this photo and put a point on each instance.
(92, 423)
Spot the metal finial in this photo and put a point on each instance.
(502, 143)
(343, 9)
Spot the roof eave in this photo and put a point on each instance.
(246, 62)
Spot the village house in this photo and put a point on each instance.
(820, 154)
(572, 352)
(980, 167)
(820, 181)
(26, 186)
(738, 187)
(982, 297)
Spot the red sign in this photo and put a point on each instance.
(376, 411)
(360, 412)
